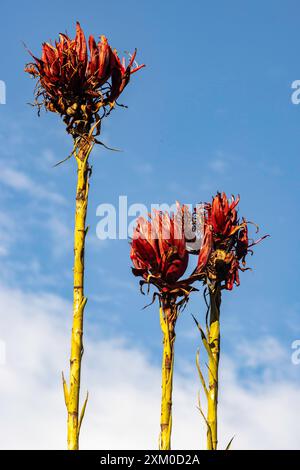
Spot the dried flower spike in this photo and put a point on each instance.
(222, 254)
(226, 243)
(82, 87)
(79, 85)
(160, 257)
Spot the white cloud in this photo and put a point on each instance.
(218, 165)
(100, 299)
(20, 181)
(48, 158)
(261, 352)
(144, 168)
(262, 416)
(61, 234)
(124, 386)
(219, 162)
(7, 230)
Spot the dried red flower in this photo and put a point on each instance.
(120, 74)
(158, 250)
(225, 243)
(224, 216)
(76, 84)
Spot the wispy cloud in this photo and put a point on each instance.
(219, 162)
(144, 168)
(20, 181)
(61, 234)
(262, 352)
(218, 165)
(124, 388)
(7, 232)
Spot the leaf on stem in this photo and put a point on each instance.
(200, 373)
(229, 443)
(204, 341)
(206, 422)
(66, 391)
(82, 412)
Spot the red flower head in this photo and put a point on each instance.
(120, 75)
(224, 216)
(158, 249)
(76, 84)
(225, 243)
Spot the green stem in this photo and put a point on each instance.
(213, 367)
(168, 316)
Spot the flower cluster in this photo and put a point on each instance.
(79, 85)
(158, 251)
(160, 247)
(225, 243)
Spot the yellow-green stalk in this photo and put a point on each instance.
(168, 317)
(213, 368)
(72, 392)
(211, 342)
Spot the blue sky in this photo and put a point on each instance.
(211, 111)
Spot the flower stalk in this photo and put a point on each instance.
(168, 317)
(213, 368)
(211, 343)
(81, 81)
(222, 255)
(160, 258)
(79, 300)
